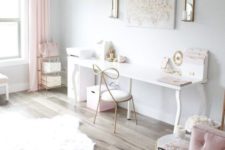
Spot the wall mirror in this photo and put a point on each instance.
(188, 12)
(115, 9)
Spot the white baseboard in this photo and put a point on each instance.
(16, 88)
(153, 113)
(156, 114)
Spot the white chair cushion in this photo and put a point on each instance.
(117, 94)
(3, 79)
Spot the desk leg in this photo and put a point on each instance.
(178, 101)
(128, 103)
(75, 80)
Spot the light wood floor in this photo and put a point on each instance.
(54, 102)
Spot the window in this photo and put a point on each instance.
(10, 29)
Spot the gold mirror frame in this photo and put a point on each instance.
(189, 11)
(115, 9)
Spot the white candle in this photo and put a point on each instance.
(115, 8)
(190, 15)
(184, 15)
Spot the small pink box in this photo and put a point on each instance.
(93, 96)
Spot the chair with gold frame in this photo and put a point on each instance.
(111, 95)
(223, 115)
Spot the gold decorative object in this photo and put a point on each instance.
(111, 55)
(178, 58)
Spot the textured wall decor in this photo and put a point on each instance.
(151, 13)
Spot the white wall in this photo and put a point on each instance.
(18, 77)
(83, 22)
(17, 69)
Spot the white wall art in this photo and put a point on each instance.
(151, 13)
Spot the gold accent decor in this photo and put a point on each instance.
(178, 58)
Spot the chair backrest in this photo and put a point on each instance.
(223, 114)
(110, 73)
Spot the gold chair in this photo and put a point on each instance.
(223, 115)
(111, 95)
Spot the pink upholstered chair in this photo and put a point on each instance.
(206, 138)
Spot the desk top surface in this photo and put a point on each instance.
(137, 72)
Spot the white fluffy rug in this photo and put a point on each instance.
(59, 133)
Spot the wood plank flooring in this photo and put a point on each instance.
(129, 136)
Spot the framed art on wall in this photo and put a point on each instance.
(151, 13)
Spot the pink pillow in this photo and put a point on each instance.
(207, 138)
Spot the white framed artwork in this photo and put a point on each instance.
(151, 13)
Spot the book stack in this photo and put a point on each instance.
(174, 81)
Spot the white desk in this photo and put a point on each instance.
(136, 72)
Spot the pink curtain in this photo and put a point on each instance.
(38, 34)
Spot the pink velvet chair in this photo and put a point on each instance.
(206, 138)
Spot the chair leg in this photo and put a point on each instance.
(7, 91)
(134, 111)
(96, 112)
(115, 119)
(223, 115)
(222, 122)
